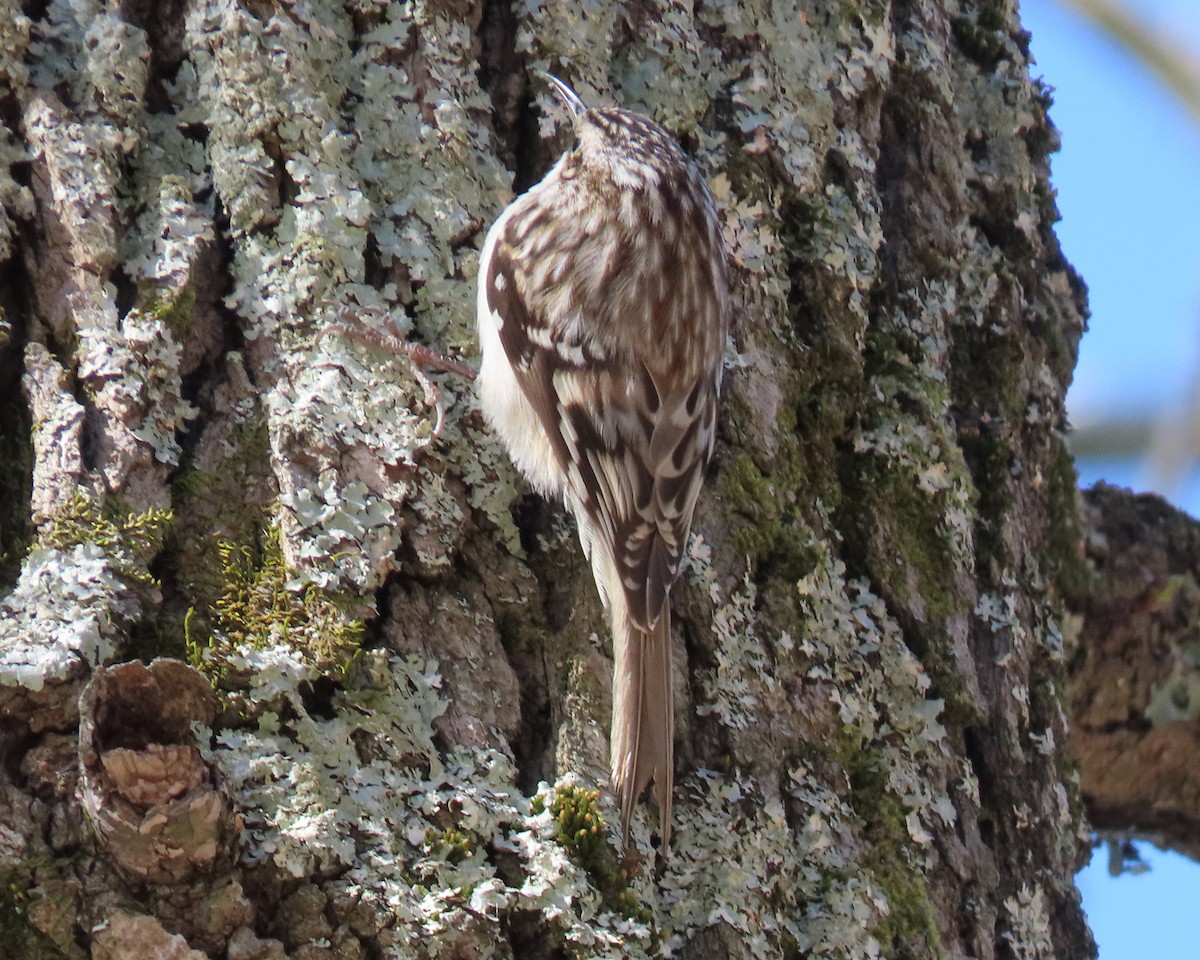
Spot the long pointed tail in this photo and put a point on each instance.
(643, 722)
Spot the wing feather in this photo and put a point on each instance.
(604, 303)
(628, 447)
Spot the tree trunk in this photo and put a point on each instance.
(1134, 694)
(208, 207)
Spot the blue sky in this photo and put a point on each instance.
(1128, 181)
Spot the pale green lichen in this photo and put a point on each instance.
(1002, 614)
(492, 481)
(440, 517)
(1028, 932)
(83, 186)
(289, 276)
(580, 34)
(173, 227)
(81, 587)
(399, 799)
(788, 882)
(736, 862)
(880, 688)
(118, 63)
(1176, 698)
(742, 662)
(68, 604)
(16, 200)
(140, 370)
(310, 188)
(103, 173)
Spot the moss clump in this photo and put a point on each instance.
(771, 539)
(576, 811)
(890, 351)
(130, 539)
(777, 496)
(989, 457)
(16, 487)
(909, 929)
(176, 313)
(901, 521)
(582, 831)
(452, 845)
(258, 608)
(19, 938)
(1064, 541)
(988, 366)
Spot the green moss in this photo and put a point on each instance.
(901, 522)
(900, 533)
(581, 827)
(176, 314)
(770, 538)
(16, 487)
(452, 845)
(776, 494)
(990, 15)
(751, 175)
(989, 366)
(258, 608)
(909, 929)
(932, 261)
(890, 352)
(818, 301)
(194, 549)
(218, 503)
(990, 460)
(582, 831)
(20, 939)
(131, 539)
(210, 508)
(1064, 549)
(1060, 352)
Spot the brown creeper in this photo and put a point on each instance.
(603, 309)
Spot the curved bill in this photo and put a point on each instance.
(570, 97)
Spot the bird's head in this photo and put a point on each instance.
(621, 146)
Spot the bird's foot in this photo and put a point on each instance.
(420, 357)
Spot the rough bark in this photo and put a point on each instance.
(1135, 691)
(410, 662)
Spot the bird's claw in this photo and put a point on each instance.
(420, 357)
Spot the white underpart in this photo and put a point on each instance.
(504, 404)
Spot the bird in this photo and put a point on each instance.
(603, 312)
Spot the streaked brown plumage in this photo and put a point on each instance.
(603, 310)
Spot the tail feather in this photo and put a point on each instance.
(643, 720)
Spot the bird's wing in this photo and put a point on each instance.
(632, 447)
